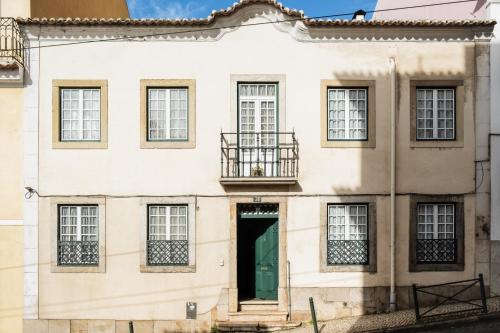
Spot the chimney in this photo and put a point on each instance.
(359, 15)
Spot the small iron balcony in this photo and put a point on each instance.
(259, 158)
(11, 43)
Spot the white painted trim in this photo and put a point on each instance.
(11, 222)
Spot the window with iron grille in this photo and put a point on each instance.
(436, 241)
(347, 242)
(167, 114)
(168, 235)
(435, 113)
(347, 114)
(80, 114)
(78, 237)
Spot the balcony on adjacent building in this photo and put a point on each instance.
(259, 158)
(11, 51)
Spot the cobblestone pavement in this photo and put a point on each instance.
(386, 320)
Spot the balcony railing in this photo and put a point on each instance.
(168, 252)
(347, 252)
(436, 251)
(259, 155)
(11, 42)
(78, 253)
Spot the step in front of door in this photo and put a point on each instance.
(258, 316)
(267, 326)
(258, 305)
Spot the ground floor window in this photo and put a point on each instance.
(167, 242)
(347, 239)
(78, 237)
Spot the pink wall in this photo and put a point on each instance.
(466, 10)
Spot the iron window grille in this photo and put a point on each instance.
(348, 242)
(11, 41)
(167, 243)
(78, 243)
(436, 113)
(347, 114)
(436, 240)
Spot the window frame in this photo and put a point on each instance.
(371, 115)
(190, 204)
(434, 112)
(367, 105)
(55, 204)
(145, 86)
(371, 225)
(458, 202)
(148, 139)
(57, 87)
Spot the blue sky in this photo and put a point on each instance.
(202, 8)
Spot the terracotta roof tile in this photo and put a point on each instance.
(293, 13)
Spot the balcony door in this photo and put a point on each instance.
(257, 129)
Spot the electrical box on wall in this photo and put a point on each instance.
(191, 310)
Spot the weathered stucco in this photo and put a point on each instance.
(124, 172)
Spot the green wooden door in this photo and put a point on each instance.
(266, 263)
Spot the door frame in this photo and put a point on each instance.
(282, 250)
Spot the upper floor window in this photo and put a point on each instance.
(80, 114)
(435, 113)
(347, 114)
(167, 235)
(78, 237)
(167, 114)
(347, 233)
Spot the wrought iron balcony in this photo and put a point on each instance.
(436, 251)
(78, 253)
(347, 252)
(259, 158)
(11, 43)
(168, 252)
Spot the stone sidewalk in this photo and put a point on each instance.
(382, 321)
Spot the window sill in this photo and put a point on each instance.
(348, 144)
(168, 269)
(436, 267)
(436, 144)
(80, 145)
(78, 269)
(348, 268)
(168, 144)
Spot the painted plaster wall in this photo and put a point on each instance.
(126, 170)
(78, 8)
(15, 8)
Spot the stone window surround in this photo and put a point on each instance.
(458, 200)
(370, 142)
(458, 85)
(57, 85)
(143, 234)
(369, 200)
(190, 84)
(54, 225)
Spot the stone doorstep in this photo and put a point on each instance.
(258, 305)
(258, 316)
(256, 326)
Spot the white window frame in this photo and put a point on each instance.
(435, 115)
(78, 223)
(435, 221)
(168, 114)
(346, 219)
(168, 221)
(80, 116)
(347, 111)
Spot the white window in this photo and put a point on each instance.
(347, 222)
(167, 114)
(347, 114)
(436, 221)
(81, 114)
(435, 114)
(78, 223)
(168, 222)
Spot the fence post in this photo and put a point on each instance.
(415, 301)
(483, 293)
(130, 327)
(313, 315)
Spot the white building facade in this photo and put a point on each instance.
(241, 166)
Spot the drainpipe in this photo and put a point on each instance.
(392, 73)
